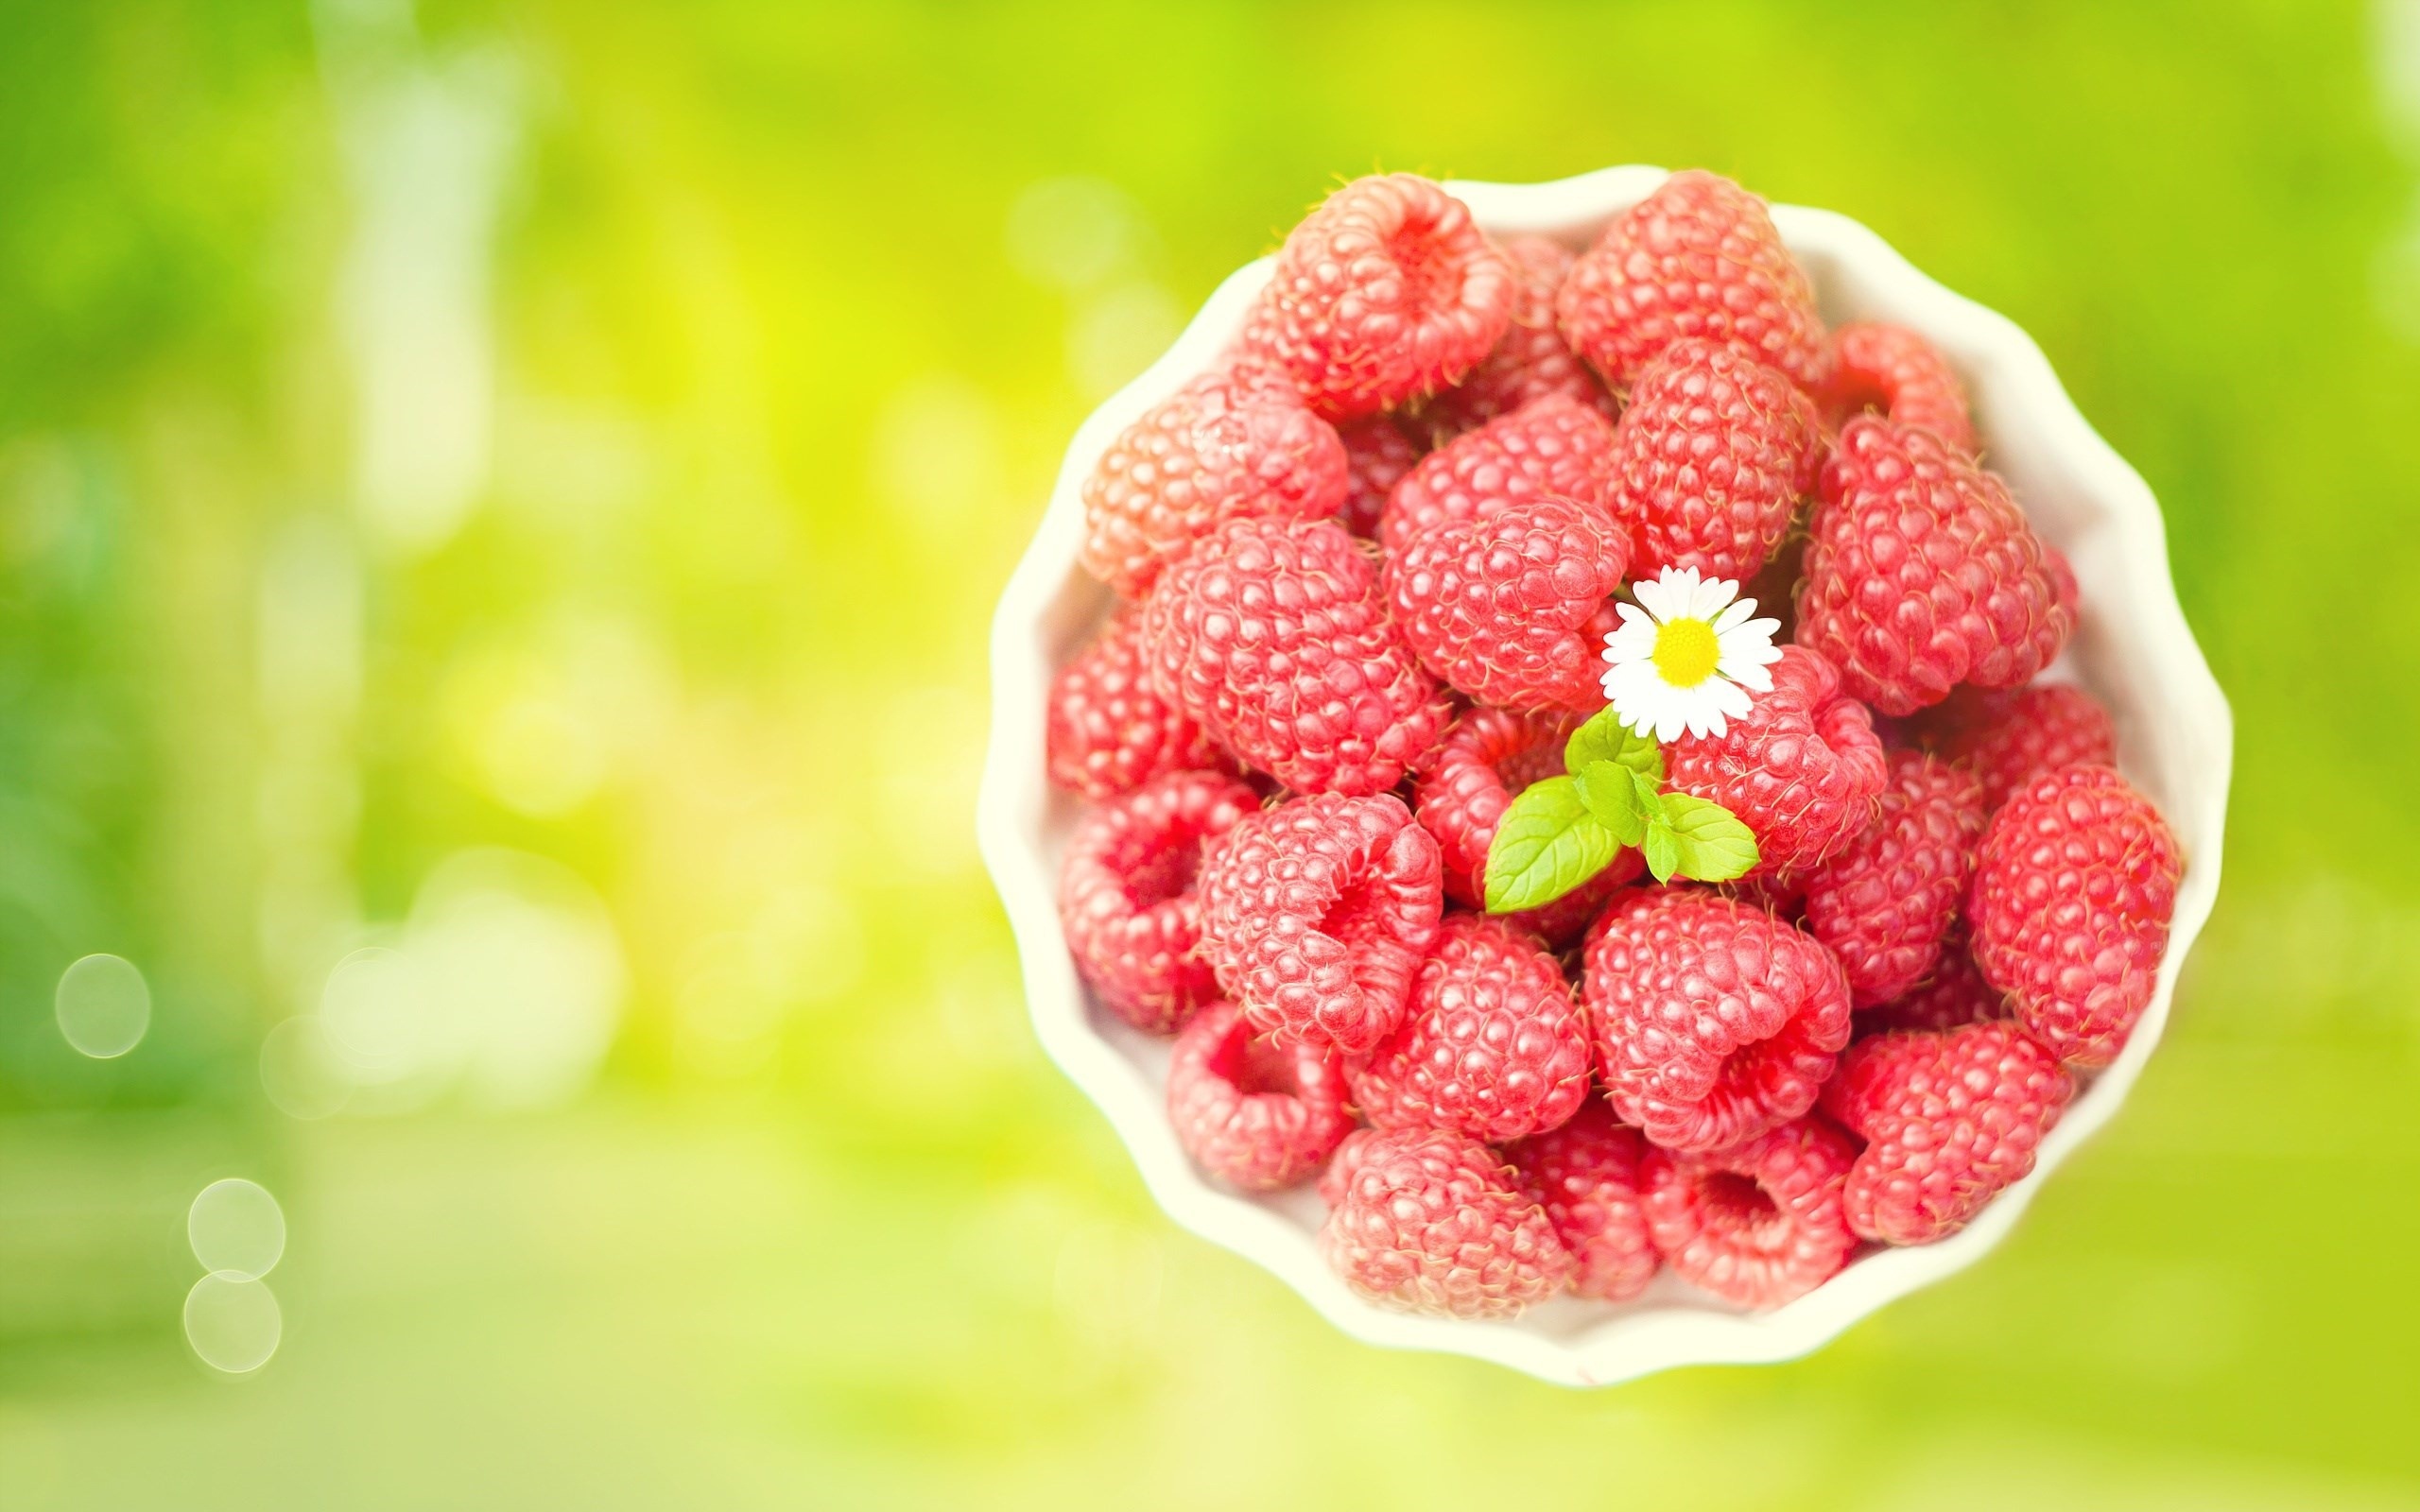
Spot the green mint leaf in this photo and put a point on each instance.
(1662, 849)
(1612, 795)
(1605, 738)
(1546, 844)
(1651, 796)
(1709, 842)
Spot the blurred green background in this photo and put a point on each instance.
(498, 509)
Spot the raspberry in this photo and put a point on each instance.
(2073, 889)
(1502, 607)
(1586, 1174)
(1950, 1119)
(1802, 767)
(1273, 633)
(1315, 915)
(1531, 361)
(1955, 994)
(1107, 731)
(1383, 294)
(1255, 1115)
(1230, 443)
(2009, 738)
(1891, 369)
(1759, 1224)
(1698, 257)
(1922, 573)
(1431, 1221)
(1491, 1044)
(1712, 456)
(1128, 899)
(1487, 758)
(1713, 1021)
(1378, 453)
(1555, 446)
(1883, 905)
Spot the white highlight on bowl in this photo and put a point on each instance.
(232, 1322)
(2134, 651)
(104, 1006)
(236, 1229)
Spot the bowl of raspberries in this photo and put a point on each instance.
(1599, 775)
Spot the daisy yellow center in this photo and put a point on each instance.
(1686, 652)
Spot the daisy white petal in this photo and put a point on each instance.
(1736, 614)
(1710, 596)
(1659, 596)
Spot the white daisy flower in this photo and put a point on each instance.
(1686, 655)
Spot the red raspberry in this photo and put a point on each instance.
(1531, 361)
(1315, 915)
(1431, 1221)
(1127, 894)
(1502, 607)
(2009, 738)
(1884, 904)
(1759, 1224)
(1586, 1174)
(1950, 1120)
(1713, 1021)
(1273, 633)
(1802, 767)
(1698, 257)
(1383, 294)
(1712, 456)
(1922, 573)
(1955, 994)
(1555, 446)
(2073, 890)
(1491, 1044)
(1107, 731)
(1891, 369)
(1232, 442)
(1378, 453)
(1488, 757)
(1254, 1114)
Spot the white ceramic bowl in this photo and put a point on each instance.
(2134, 650)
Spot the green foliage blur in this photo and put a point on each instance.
(499, 506)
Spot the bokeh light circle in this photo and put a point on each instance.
(104, 1006)
(232, 1322)
(236, 1229)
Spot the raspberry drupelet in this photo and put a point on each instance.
(1511, 610)
(1586, 1174)
(1107, 730)
(1382, 296)
(1713, 1021)
(1698, 257)
(2073, 890)
(1273, 634)
(1893, 369)
(1433, 1221)
(1233, 442)
(1886, 903)
(1530, 360)
(1922, 573)
(1803, 768)
(1950, 1118)
(1258, 1115)
(1316, 913)
(1552, 447)
(1759, 1224)
(1712, 456)
(1128, 898)
(1491, 1044)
